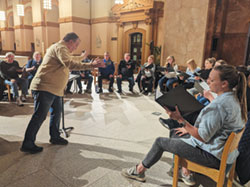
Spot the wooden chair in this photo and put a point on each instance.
(216, 175)
(8, 89)
(95, 74)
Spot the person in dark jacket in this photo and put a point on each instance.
(106, 73)
(33, 65)
(243, 160)
(83, 75)
(9, 71)
(125, 72)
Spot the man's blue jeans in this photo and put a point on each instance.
(23, 83)
(44, 102)
(129, 79)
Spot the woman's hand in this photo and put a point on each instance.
(181, 131)
(176, 115)
(207, 94)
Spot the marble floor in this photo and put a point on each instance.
(111, 132)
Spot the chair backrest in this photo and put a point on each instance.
(230, 146)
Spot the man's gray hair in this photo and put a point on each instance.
(8, 54)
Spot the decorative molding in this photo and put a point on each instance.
(103, 20)
(26, 1)
(132, 5)
(9, 8)
(7, 29)
(23, 27)
(38, 24)
(74, 20)
(51, 24)
(44, 24)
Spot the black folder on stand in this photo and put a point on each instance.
(178, 96)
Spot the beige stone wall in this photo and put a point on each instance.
(101, 8)
(8, 40)
(185, 27)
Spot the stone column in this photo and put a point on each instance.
(148, 37)
(45, 25)
(23, 33)
(120, 42)
(75, 17)
(39, 28)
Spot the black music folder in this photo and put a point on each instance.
(178, 96)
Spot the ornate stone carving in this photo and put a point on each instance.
(133, 5)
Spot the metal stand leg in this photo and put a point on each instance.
(64, 130)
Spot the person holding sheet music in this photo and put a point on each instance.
(48, 88)
(170, 74)
(191, 69)
(9, 72)
(147, 76)
(126, 72)
(204, 141)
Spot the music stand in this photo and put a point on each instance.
(67, 130)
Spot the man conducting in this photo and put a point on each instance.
(48, 87)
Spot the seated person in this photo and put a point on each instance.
(203, 142)
(243, 160)
(166, 82)
(84, 75)
(126, 72)
(203, 74)
(192, 68)
(147, 75)
(106, 73)
(9, 72)
(32, 66)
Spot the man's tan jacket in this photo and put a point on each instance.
(52, 75)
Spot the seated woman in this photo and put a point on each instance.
(9, 72)
(147, 76)
(192, 68)
(33, 65)
(204, 142)
(170, 74)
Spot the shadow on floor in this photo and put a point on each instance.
(27, 109)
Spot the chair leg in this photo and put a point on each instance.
(176, 170)
(231, 176)
(8, 88)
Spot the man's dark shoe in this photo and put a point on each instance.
(32, 150)
(100, 91)
(119, 91)
(58, 141)
(88, 91)
(169, 123)
(80, 92)
(110, 90)
(68, 92)
(131, 90)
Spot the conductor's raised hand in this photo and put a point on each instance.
(176, 115)
(98, 63)
(84, 54)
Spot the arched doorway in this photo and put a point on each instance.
(136, 47)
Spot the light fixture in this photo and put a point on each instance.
(47, 4)
(119, 2)
(2, 16)
(20, 9)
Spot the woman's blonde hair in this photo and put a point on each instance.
(192, 64)
(170, 57)
(152, 57)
